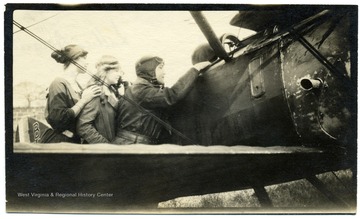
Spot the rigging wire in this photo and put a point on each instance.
(140, 108)
(342, 182)
(36, 23)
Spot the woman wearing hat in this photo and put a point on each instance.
(134, 126)
(96, 123)
(66, 98)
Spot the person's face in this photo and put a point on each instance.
(82, 62)
(160, 73)
(113, 75)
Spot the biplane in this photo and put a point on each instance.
(275, 107)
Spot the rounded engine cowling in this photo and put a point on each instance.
(319, 97)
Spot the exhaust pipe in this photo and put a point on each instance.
(309, 84)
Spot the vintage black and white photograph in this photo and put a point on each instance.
(181, 108)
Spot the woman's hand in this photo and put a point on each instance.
(89, 93)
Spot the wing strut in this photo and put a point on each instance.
(210, 35)
(263, 196)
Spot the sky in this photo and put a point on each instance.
(127, 35)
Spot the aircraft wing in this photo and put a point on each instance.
(136, 175)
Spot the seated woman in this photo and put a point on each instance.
(66, 98)
(148, 91)
(96, 123)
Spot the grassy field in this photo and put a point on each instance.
(297, 195)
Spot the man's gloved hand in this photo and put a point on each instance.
(201, 65)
